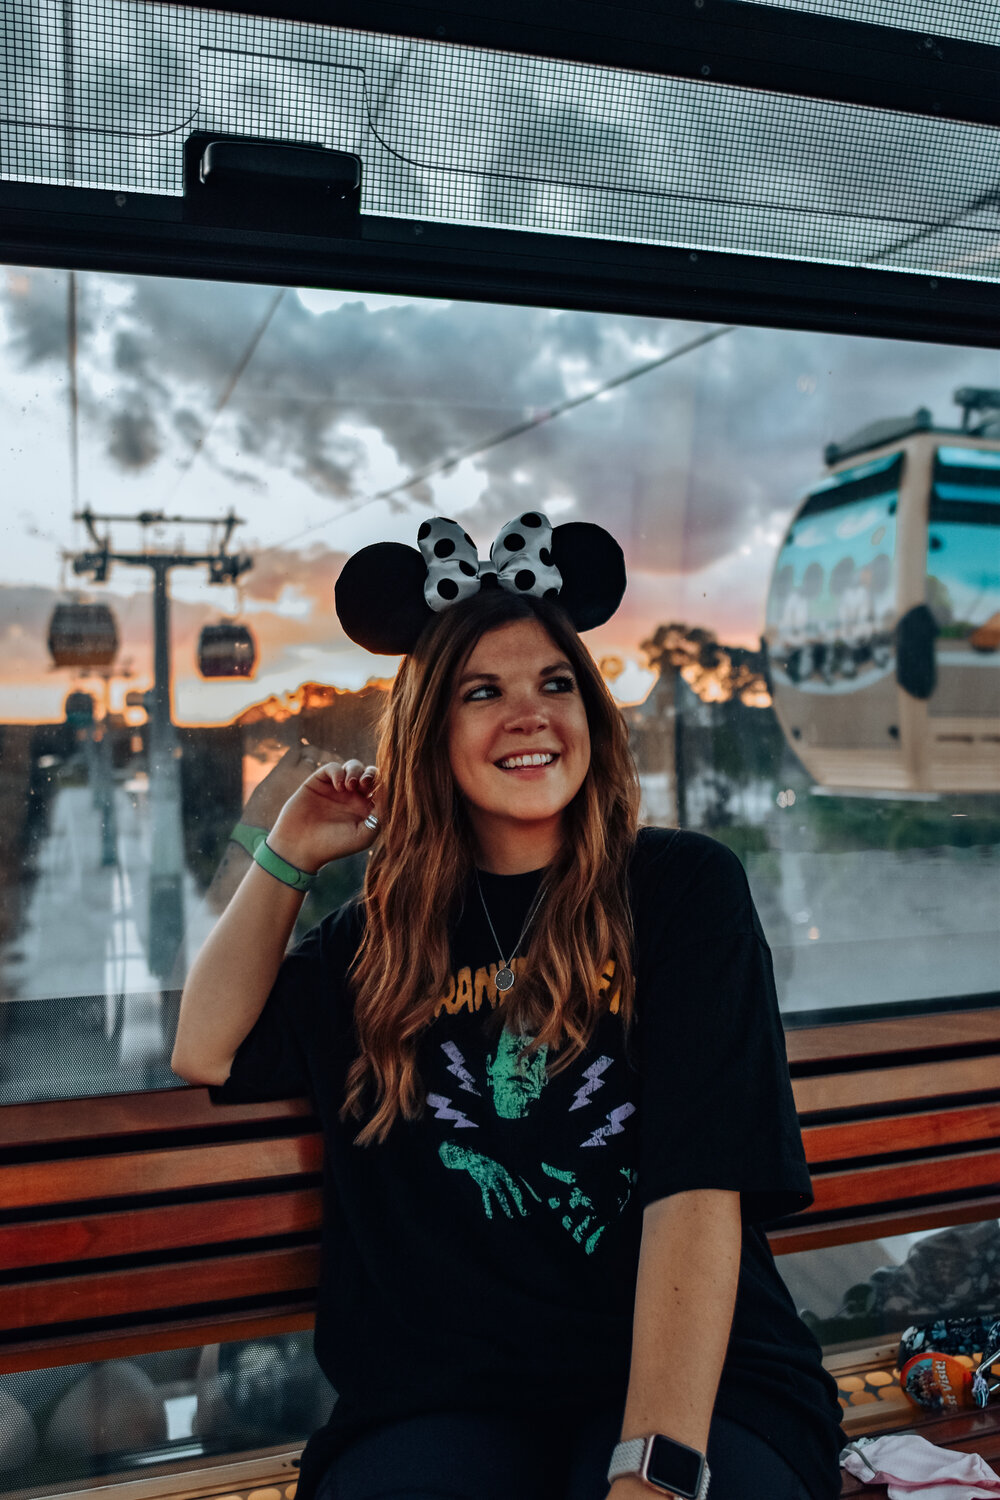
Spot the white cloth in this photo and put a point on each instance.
(910, 1465)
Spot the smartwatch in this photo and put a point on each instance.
(669, 1467)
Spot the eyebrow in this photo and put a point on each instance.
(559, 666)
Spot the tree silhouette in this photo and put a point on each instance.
(715, 673)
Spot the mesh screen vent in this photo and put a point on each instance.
(103, 93)
(971, 20)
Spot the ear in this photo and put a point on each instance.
(593, 572)
(379, 598)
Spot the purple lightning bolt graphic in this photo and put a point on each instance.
(458, 1068)
(594, 1082)
(613, 1126)
(443, 1111)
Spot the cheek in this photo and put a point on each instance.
(578, 731)
(467, 742)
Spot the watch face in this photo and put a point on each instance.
(675, 1467)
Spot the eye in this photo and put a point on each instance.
(562, 684)
(481, 693)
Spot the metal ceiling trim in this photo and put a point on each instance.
(135, 234)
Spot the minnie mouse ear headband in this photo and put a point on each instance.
(387, 593)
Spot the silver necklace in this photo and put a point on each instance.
(505, 974)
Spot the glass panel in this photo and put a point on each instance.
(868, 817)
(103, 94)
(871, 1291)
(863, 1297)
(125, 1416)
(963, 582)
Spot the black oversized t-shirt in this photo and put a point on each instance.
(485, 1255)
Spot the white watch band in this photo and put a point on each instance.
(627, 1458)
(630, 1458)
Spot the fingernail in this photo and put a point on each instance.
(352, 782)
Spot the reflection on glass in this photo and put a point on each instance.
(859, 1299)
(869, 1292)
(240, 441)
(60, 1426)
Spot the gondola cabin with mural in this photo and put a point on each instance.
(883, 616)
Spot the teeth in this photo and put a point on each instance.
(513, 762)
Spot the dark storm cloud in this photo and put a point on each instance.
(36, 308)
(134, 437)
(683, 463)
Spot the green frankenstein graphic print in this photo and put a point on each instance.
(516, 1077)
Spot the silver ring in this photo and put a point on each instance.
(371, 822)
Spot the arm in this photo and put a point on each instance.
(689, 1263)
(232, 976)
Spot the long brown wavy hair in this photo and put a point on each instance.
(420, 866)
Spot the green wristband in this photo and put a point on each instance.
(299, 880)
(248, 838)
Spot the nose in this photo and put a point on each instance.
(526, 715)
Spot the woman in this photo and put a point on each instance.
(546, 1053)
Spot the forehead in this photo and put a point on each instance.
(519, 643)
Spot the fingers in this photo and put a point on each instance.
(350, 776)
(358, 777)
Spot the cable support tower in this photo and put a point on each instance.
(166, 894)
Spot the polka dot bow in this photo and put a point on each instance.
(388, 594)
(520, 560)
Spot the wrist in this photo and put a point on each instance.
(660, 1464)
(281, 843)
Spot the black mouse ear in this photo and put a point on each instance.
(593, 572)
(380, 600)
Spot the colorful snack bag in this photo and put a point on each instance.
(936, 1369)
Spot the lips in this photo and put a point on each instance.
(527, 761)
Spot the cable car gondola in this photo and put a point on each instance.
(79, 710)
(226, 649)
(82, 635)
(883, 615)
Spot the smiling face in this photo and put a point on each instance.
(518, 744)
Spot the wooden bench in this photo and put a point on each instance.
(158, 1221)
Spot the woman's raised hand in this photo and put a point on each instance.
(325, 818)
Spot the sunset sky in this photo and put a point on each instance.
(299, 411)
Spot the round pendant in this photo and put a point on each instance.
(504, 979)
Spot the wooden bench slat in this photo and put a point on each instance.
(32, 1184)
(174, 1227)
(151, 1337)
(871, 1138)
(30, 1304)
(911, 1179)
(868, 1086)
(55, 1120)
(859, 1039)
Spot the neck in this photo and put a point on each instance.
(504, 850)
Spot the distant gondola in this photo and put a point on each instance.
(79, 709)
(82, 635)
(883, 617)
(227, 649)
